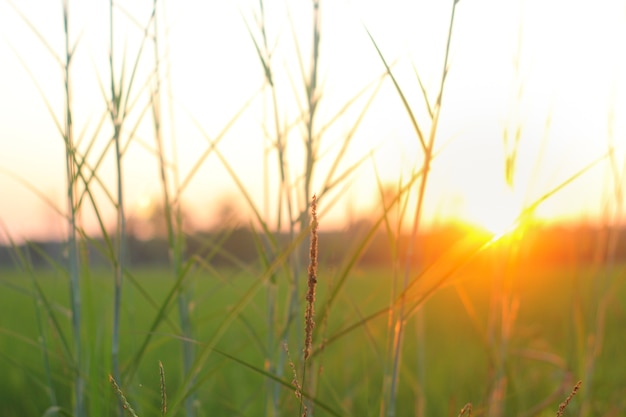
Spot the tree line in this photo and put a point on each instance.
(549, 245)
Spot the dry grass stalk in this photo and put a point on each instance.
(294, 381)
(309, 316)
(125, 404)
(467, 408)
(564, 404)
(163, 394)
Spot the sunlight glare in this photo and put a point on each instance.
(497, 214)
(144, 206)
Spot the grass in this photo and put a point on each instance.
(477, 332)
(456, 360)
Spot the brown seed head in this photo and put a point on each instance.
(309, 322)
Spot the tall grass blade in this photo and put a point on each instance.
(280, 381)
(161, 316)
(405, 102)
(205, 349)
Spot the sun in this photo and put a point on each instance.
(499, 222)
(497, 213)
(144, 206)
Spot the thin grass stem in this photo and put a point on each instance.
(73, 252)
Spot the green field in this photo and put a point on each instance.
(222, 172)
(450, 353)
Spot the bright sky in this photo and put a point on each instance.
(554, 70)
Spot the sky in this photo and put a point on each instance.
(550, 73)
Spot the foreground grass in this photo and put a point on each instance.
(542, 348)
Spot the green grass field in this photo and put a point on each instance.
(505, 333)
(543, 352)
